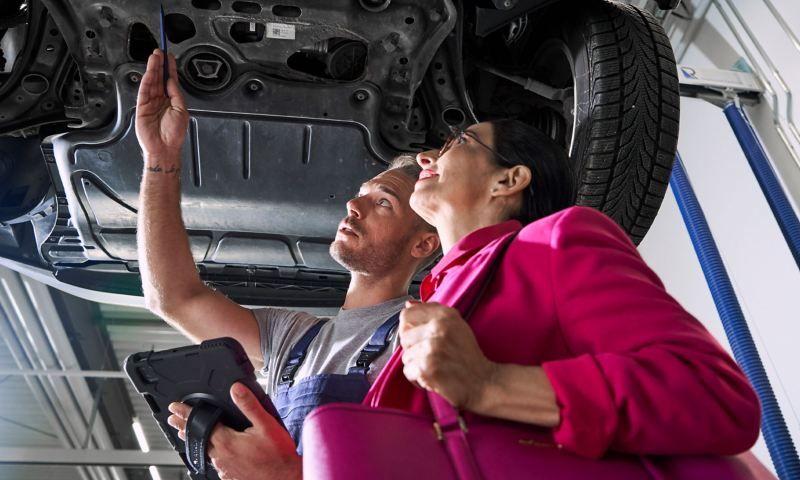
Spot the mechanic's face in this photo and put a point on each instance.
(456, 180)
(377, 232)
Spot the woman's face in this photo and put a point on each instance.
(458, 180)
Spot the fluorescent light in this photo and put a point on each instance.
(154, 472)
(137, 430)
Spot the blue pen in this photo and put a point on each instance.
(164, 49)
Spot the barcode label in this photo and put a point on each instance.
(280, 30)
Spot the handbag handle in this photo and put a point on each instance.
(449, 424)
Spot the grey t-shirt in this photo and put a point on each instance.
(336, 347)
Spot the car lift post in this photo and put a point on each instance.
(727, 89)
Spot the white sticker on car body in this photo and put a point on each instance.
(281, 31)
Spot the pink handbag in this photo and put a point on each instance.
(353, 442)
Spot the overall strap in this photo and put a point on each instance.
(376, 345)
(298, 354)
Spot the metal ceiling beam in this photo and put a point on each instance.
(65, 456)
(91, 434)
(89, 338)
(698, 19)
(37, 387)
(41, 343)
(61, 373)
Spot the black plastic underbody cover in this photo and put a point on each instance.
(273, 151)
(261, 198)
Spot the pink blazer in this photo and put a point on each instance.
(632, 370)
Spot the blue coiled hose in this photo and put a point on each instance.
(776, 434)
(776, 197)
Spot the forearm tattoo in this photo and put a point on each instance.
(171, 170)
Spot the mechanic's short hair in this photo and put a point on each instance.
(407, 163)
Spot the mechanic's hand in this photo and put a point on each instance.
(441, 354)
(264, 450)
(161, 121)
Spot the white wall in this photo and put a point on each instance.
(762, 269)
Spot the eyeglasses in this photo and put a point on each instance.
(457, 135)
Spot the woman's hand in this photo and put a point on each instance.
(161, 121)
(441, 354)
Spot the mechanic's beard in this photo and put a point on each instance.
(375, 260)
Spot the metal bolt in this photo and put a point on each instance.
(361, 95)
(507, 4)
(134, 78)
(254, 86)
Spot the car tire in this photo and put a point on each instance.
(620, 121)
(627, 125)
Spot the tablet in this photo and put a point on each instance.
(194, 374)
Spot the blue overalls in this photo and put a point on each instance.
(295, 400)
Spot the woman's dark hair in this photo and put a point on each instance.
(553, 182)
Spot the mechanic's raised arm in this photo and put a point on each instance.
(172, 287)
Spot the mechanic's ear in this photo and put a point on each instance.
(427, 244)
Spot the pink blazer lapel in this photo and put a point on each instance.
(459, 289)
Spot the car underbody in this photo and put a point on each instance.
(293, 106)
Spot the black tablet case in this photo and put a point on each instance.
(189, 374)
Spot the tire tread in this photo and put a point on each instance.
(634, 117)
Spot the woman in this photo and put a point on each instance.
(575, 333)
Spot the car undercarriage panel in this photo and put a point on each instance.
(293, 106)
(336, 43)
(292, 109)
(257, 189)
(246, 174)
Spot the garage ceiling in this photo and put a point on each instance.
(44, 329)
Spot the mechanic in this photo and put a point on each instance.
(381, 241)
